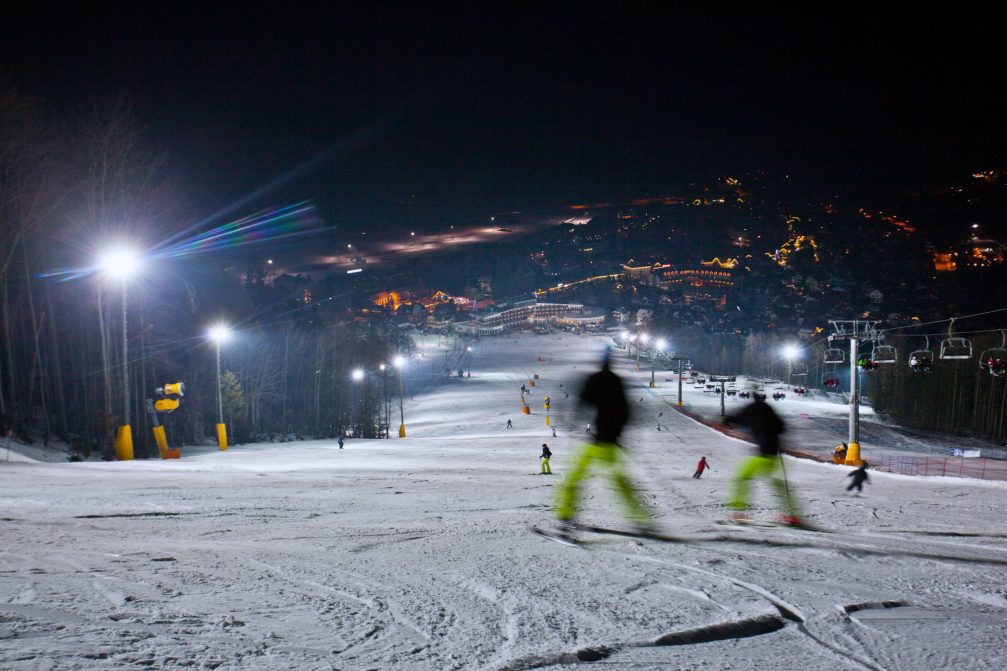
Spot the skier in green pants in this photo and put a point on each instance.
(604, 391)
(766, 427)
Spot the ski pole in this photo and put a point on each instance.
(786, 485)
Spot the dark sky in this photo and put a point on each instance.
(430, 112)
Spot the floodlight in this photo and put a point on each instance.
(121, 263)
(357, 374)
(219, 333)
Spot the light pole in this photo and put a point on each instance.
(219, 334)
(790, 351)
(661, 344)
(400, 364)
(121, 264)
(384, 398)
(643, 341)
(357, 375)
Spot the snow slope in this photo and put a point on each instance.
(416, 554)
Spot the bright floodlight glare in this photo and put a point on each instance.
(399, 361)
(644, 338)
(357, 374)
(468, 349)
(790, 351)
(661, 344)
(381, 367)
(625, 335)
(120, 263)
(219, 333)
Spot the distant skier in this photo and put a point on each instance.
(545, 457)
(510, 424)
(700, 467)
(604, 391)
(766, 427)
(341, 442)
(554, 432)
(859, 478)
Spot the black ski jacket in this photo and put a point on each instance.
(546, 453)
(604, 391)
(859, 476)
(765, 424)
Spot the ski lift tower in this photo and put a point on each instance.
(681, 368)
(854, 330)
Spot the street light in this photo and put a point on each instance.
(357, 374)
(384, 397)
(219, 334)
(400, 364)
(643, 341)
(122, 264)
(661, 344)
(790, 351)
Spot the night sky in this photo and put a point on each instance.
(414, 113)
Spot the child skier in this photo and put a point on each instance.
(700, 467)
(859, 478)
(545, 456)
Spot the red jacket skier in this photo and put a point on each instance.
(700, 467)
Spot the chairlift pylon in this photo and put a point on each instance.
(994, 359)
(955, 347)
(922, 360)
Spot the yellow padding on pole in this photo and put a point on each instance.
(124, 443)
(161, 440)
(222, 436)
(525, 410)
(402, 430)
(547, 420)
(853, 455)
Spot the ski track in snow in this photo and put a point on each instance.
(416, 554)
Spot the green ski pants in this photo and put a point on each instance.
(759, 466)
(610, 457)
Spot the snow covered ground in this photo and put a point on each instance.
(416, 553)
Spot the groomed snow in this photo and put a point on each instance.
(416, 553)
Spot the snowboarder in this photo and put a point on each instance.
(700, 467)
(545, 456)
(604, 391)
(341, 442)
(766, 427)
(510, 424)
(859, 478)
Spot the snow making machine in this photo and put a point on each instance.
(167, 401)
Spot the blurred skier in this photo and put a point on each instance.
(766, 427)
(859, 478)
(341, 442)
(604, 391)
(700, 467)
(510, 424)
(554, 432)
(545, 457)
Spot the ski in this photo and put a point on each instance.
(558, 538)
(648, 535)
(767, 524)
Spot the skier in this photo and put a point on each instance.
(766, 427)
(341, 442)
(510, 424)
(545, 456)
(700, 467)
(604, 391)
(859, 478)
(554, 432)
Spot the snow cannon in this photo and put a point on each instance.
(167, 401)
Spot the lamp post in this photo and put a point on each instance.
(384, 397)
(400, 364)
(643, 341)
(790, 351)
(121, 264)
(661, 344)
(358, 376)
(219, 334)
